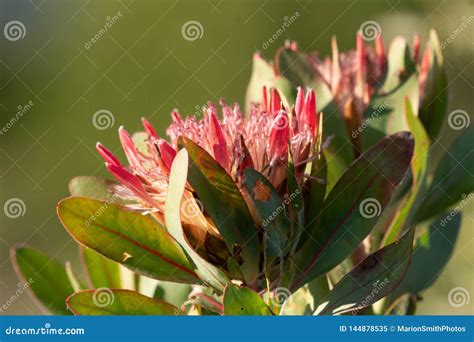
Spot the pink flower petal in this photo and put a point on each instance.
(217, 140)
(149, 128)
(107, 155)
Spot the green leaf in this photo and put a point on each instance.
(138, 242)
(354, 205)
(453, 179)
(104, 302)
(271, 211)
(317, 192)
(94, 187)
(177, 182)
(102, 272)
(46, 278)
(307, 298)
(263, 74)
(419, 169)
(173, 293)
(400, 65)
(242, 301)
(233, 220)
(432, 251)
(374, 278)
(434, 101)
(296, 207)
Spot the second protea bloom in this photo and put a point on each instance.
(265, 139)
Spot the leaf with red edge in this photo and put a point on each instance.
(138, 242)
(354, 205)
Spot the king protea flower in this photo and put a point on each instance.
(263, 140)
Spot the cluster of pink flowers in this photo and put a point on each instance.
(263, 140)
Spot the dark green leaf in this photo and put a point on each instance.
(104, 302)
(453, 179)
(271, 211)
(130, 238)
(352, 208)
(242, 301)
(374, 278)
(46, 278)
(215, 187)
(419, 168)
(432, 252)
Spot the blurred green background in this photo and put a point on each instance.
(142, 66)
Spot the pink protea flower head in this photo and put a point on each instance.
(264, 140)
(353, 76)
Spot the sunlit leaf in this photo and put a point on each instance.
(104, 302)
(177, 182)
(134, 240)
(242, 301)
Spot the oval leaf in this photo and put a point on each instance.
(453, 176)
(242, 301)
(432, 251)
(104, 301)
(371, 280)
(46, 278)
(353, 206)
(134, 240)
